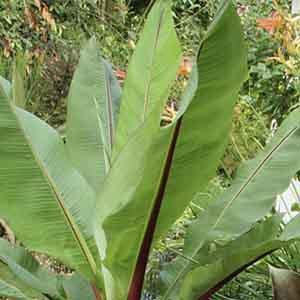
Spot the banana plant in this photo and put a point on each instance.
(100, 199)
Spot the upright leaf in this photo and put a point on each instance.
(150, 74)
(153, 69)
(93, 106)
(211, 94)
(145, 161)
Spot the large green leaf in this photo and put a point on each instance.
(219, 261)
(249, 198)
(44, 199)
(219, 267)
(151, 73)
(213, 268)
(209, 100)
(93, 106)
(141, 169)
(123, 213)
(122, 210)
(73, 287)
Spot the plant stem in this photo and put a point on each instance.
(96, 292)
(136, 286)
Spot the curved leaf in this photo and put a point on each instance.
(29, 274)
(93, 106)
(214, 268)
(219, 267)
(207, 105)
(44, 199)
(250, 197)
(12, 280)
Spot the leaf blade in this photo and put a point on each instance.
(94, 96)
(133, 135)
(28, 144)
(207, 108)
(141, 179)
(249, 198)
(150, 76)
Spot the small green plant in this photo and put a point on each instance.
(99, 199)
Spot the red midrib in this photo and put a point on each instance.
(135, 290)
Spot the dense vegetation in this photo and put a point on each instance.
(39, 54)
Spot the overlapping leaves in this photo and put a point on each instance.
(178, 160)
(46, 198)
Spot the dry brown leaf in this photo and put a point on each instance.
(48, 17)
(30, 17)
(7, 48)
(38, 4)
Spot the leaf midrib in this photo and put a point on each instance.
(73, 226)
(256, 172)
(151, 223)
(109, 109)
(147, 92)
(249, 180)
